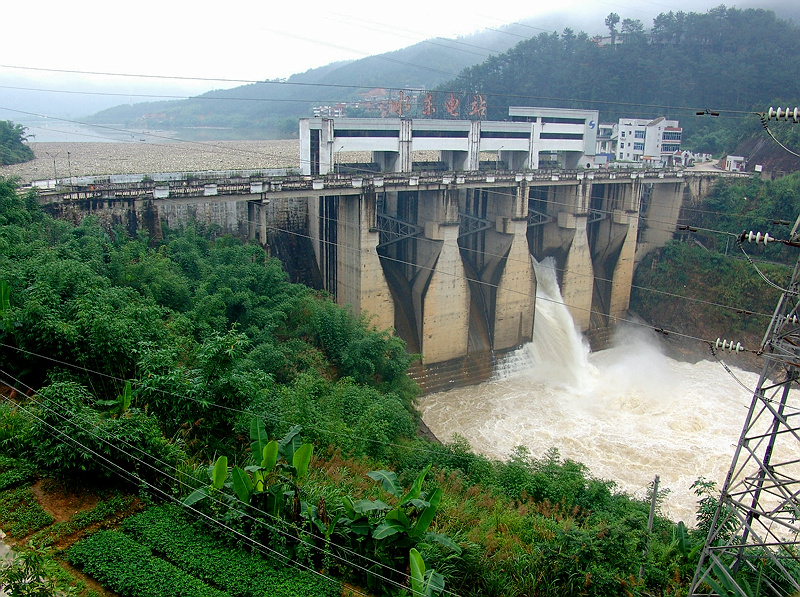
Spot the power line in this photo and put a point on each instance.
(204, 144)
(515, 96)
(739, 310)
(110, 465)
(151, 458)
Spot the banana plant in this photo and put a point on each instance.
(424, 583)
(271, 480)
(119, 405)
(217, 473)
(255, 480)
(405, 522)
(730, 585)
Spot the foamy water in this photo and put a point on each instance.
(629, 413)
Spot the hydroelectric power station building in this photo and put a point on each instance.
(531, 138)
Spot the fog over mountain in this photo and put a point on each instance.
(25, 94)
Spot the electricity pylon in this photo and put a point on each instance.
(752, 547)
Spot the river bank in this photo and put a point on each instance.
(65, 159)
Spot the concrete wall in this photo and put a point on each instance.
(516, 292)
(360, 279)
(231, 215)
(445, 310)
(577, 280)
(660, 217)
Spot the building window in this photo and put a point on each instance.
(638, 147)
(549, 119)
(671, 136)
(670, 147)
(638, 134)
(623, 134)
(572, 136)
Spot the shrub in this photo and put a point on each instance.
(166, 531)
(75, 441)
(21, 514)
(130, 569)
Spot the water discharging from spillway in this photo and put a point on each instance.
(629, 413)
(558, 354)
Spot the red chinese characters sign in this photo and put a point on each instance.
(451, 105)
(477, 106)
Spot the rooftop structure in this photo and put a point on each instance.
(533, 137)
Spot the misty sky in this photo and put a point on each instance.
(247, 40)
(242, 39)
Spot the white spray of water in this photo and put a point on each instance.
(629, 413)
(559, 354)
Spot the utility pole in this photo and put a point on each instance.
(752, 546)
(653, 504)
(55, 173)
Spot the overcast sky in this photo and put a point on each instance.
(247, 39)
(237, 39)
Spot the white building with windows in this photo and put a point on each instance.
(651, 141)
(532, 138)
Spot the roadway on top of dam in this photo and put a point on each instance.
(209, 185)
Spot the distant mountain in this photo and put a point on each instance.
(272, 108)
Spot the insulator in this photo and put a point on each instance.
(729, 346)
(758, 237)
(787, 114)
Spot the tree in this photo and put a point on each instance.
(12, 144)
(611, 23)
(28, 573)
(632, 30)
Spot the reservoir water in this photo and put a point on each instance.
(628, 413)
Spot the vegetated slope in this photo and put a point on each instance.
(727, 297)
(151, 360)
(686, 62)
(13, 149)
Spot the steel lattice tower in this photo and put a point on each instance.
(753, 547)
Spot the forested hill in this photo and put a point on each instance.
(725, 59)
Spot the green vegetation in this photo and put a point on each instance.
(700, 60)
(190, 371)
(167, 531)
(130, 569)
(31, 572)
(13, 149)
(716, 266)
(21, 513)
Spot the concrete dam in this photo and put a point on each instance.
(441, 251)
(444, 258)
